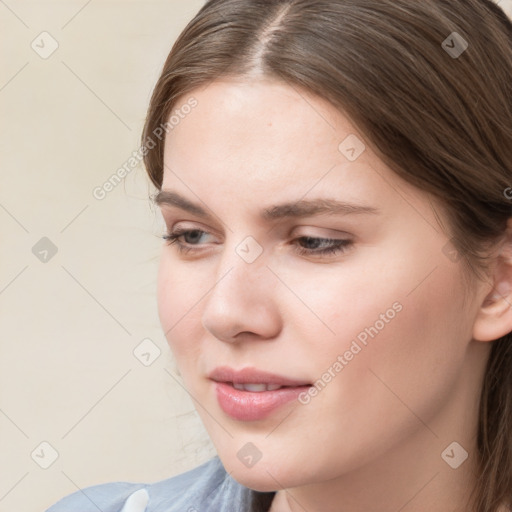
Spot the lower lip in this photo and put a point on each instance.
(250, 405)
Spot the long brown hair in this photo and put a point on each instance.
(435, 106)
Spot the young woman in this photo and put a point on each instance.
(336, 181)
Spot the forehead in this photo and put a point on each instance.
(268, 139)
(263, 130)
(257, 120)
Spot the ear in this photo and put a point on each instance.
(494, 318)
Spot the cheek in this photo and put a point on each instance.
(413, 361)
(166, 298)
(401, 309)
(179, 292)
(333, 310)
(385, 334)
(406, 369)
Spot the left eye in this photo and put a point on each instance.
(330, 245)
(320, 246)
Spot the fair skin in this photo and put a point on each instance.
(372, 439)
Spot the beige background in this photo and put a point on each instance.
(70, 323)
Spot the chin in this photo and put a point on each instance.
(263, 476)
(258, 481)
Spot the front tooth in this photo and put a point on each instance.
(255, 387)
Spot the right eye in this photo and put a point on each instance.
(174, 236)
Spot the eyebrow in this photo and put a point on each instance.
(300, 208)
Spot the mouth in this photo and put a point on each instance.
(256, 387)
(251, 394)
(250, 377)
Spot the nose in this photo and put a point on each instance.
(242, 303)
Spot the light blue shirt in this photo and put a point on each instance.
(206, 488)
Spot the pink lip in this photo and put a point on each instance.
(248, 405)
(252, 375)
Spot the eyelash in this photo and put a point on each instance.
(339, 244)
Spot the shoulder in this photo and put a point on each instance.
(206, 487)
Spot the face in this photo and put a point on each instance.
(358, 311)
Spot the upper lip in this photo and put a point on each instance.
(252, 376)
